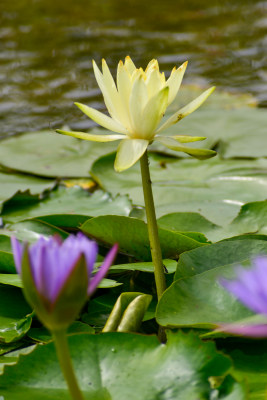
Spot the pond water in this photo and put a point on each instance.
(46, 48)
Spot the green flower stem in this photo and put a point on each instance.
(152, 227)
(63, 354)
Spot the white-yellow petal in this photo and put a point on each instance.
(102, 119)
(111, 89)
(175, 80)
(153, 113)
(91, 137)
(129, 152)
(138, 101)
(154, 83)
(188, 109)
(153, 64)
(201, 154)
(124, 85)
(185, 138)
(107, 98)
(129, 65)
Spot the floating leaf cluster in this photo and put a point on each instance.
(211, 215)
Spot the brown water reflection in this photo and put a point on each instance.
(46, 47)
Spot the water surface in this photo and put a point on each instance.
(46, 48)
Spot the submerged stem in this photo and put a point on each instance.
(63, 354)
(152, 227)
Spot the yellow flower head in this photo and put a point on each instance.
(136, 105)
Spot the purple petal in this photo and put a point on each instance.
(81, 244)
(257, 331)
(36, 252)
(52, 261)
(103, 270)
(250, 286)
(17, 249)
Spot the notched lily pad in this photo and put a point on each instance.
(162, 371)
(69, 207)
(15, 318)
(26, 186)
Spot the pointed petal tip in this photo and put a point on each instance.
(103, 270)
(184, 65)
(78, 104)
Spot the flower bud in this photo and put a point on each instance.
(57, 276)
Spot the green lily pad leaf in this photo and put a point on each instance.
(187, 222)
(128, 312)
(15, 280)
(252, 219)
(10, 184)
(227, 252)
(132, 236)
(200, 301)
(108, 283)
(6, 348)
(215, 188)
(69, 207)
(31, 231)
(11, 279)
(44, 336)
(231, 129)
(37, 375)
(49, 154)
(15, 318)
(170, 266)
(249, 363)
(25, 231)
(99, 309)
(12, 357)
(6, 257)
(197, 299)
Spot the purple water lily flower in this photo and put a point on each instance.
(250, 287)
(57, 275)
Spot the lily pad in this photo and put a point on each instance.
(170, 266)
(252, 219)
(15, 280)
(48, 154)
(196, 298)
(214, 188)
(68, 207)
(249, 363)
(43, 335)
(10, 184)
(195, 262)
(15, 318)
(29, 231)
(6, 256)
(132, 236)
(162, 371)
(32, 230)
(230, 129)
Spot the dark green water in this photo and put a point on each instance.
(46, 48)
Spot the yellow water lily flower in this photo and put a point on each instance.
(136, 106)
